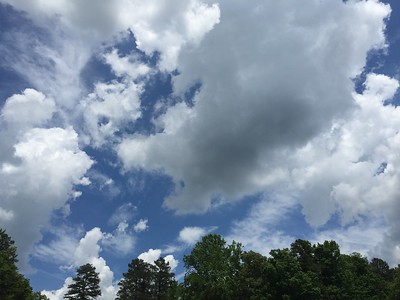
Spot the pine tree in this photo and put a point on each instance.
(12, 284)
(163, 279)
(137, 283)
(86, 284)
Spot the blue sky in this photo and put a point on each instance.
(132, 128)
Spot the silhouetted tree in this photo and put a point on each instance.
(86, 284)
(12, 284)
(137, 283)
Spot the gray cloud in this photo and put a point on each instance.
(273, 75)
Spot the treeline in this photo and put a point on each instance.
(215, 270)
(221, 271)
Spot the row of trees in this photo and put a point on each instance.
(217, 270)
(221, 271)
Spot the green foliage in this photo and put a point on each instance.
(86, 284)
(12, 284)
(146, 281)
(164, 280)
(213, 269)
(305, 271)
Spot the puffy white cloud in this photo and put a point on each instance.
(271, 81)
(173, 263)
(109, 107)
(150, 256)
(141, 225)
(153, 254)
(87, 251)
(31, 108)
(190, 235)
(351, 170)
(34, 182)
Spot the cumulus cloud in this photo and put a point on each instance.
(110, 106)
(87, 251)
(351, 170)
(268, 92)
(153, 254)
(31, 108)
(190, 235)
(34, 183)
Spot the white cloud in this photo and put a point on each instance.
(34, 183)
(275, 83)
(190, 235)
(153, 254)
(126, 65)
(123, 213)
(109, 107)
(121, 241)
(365, 237)
(164, 26)
(349, 171)
(87, 251)
(258, 230)
(141, 225)
(31, 108)
(173, 263)
(59, 249)
(150, 256)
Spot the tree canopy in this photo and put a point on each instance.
(145, 281)
(86, 285)
(218, 270)
(13, 285)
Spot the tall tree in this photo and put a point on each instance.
(137, 283)
(254, 281)
(86, 284)
(12, 284)
(163, 279)
(212, 269)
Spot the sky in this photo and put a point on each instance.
(131, 128)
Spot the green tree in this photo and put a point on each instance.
(12, 284)
(137, 283)
(213, 269)
(86, 284)
(288, 280)
(254, 281)
(164, 281)
(394, 286)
